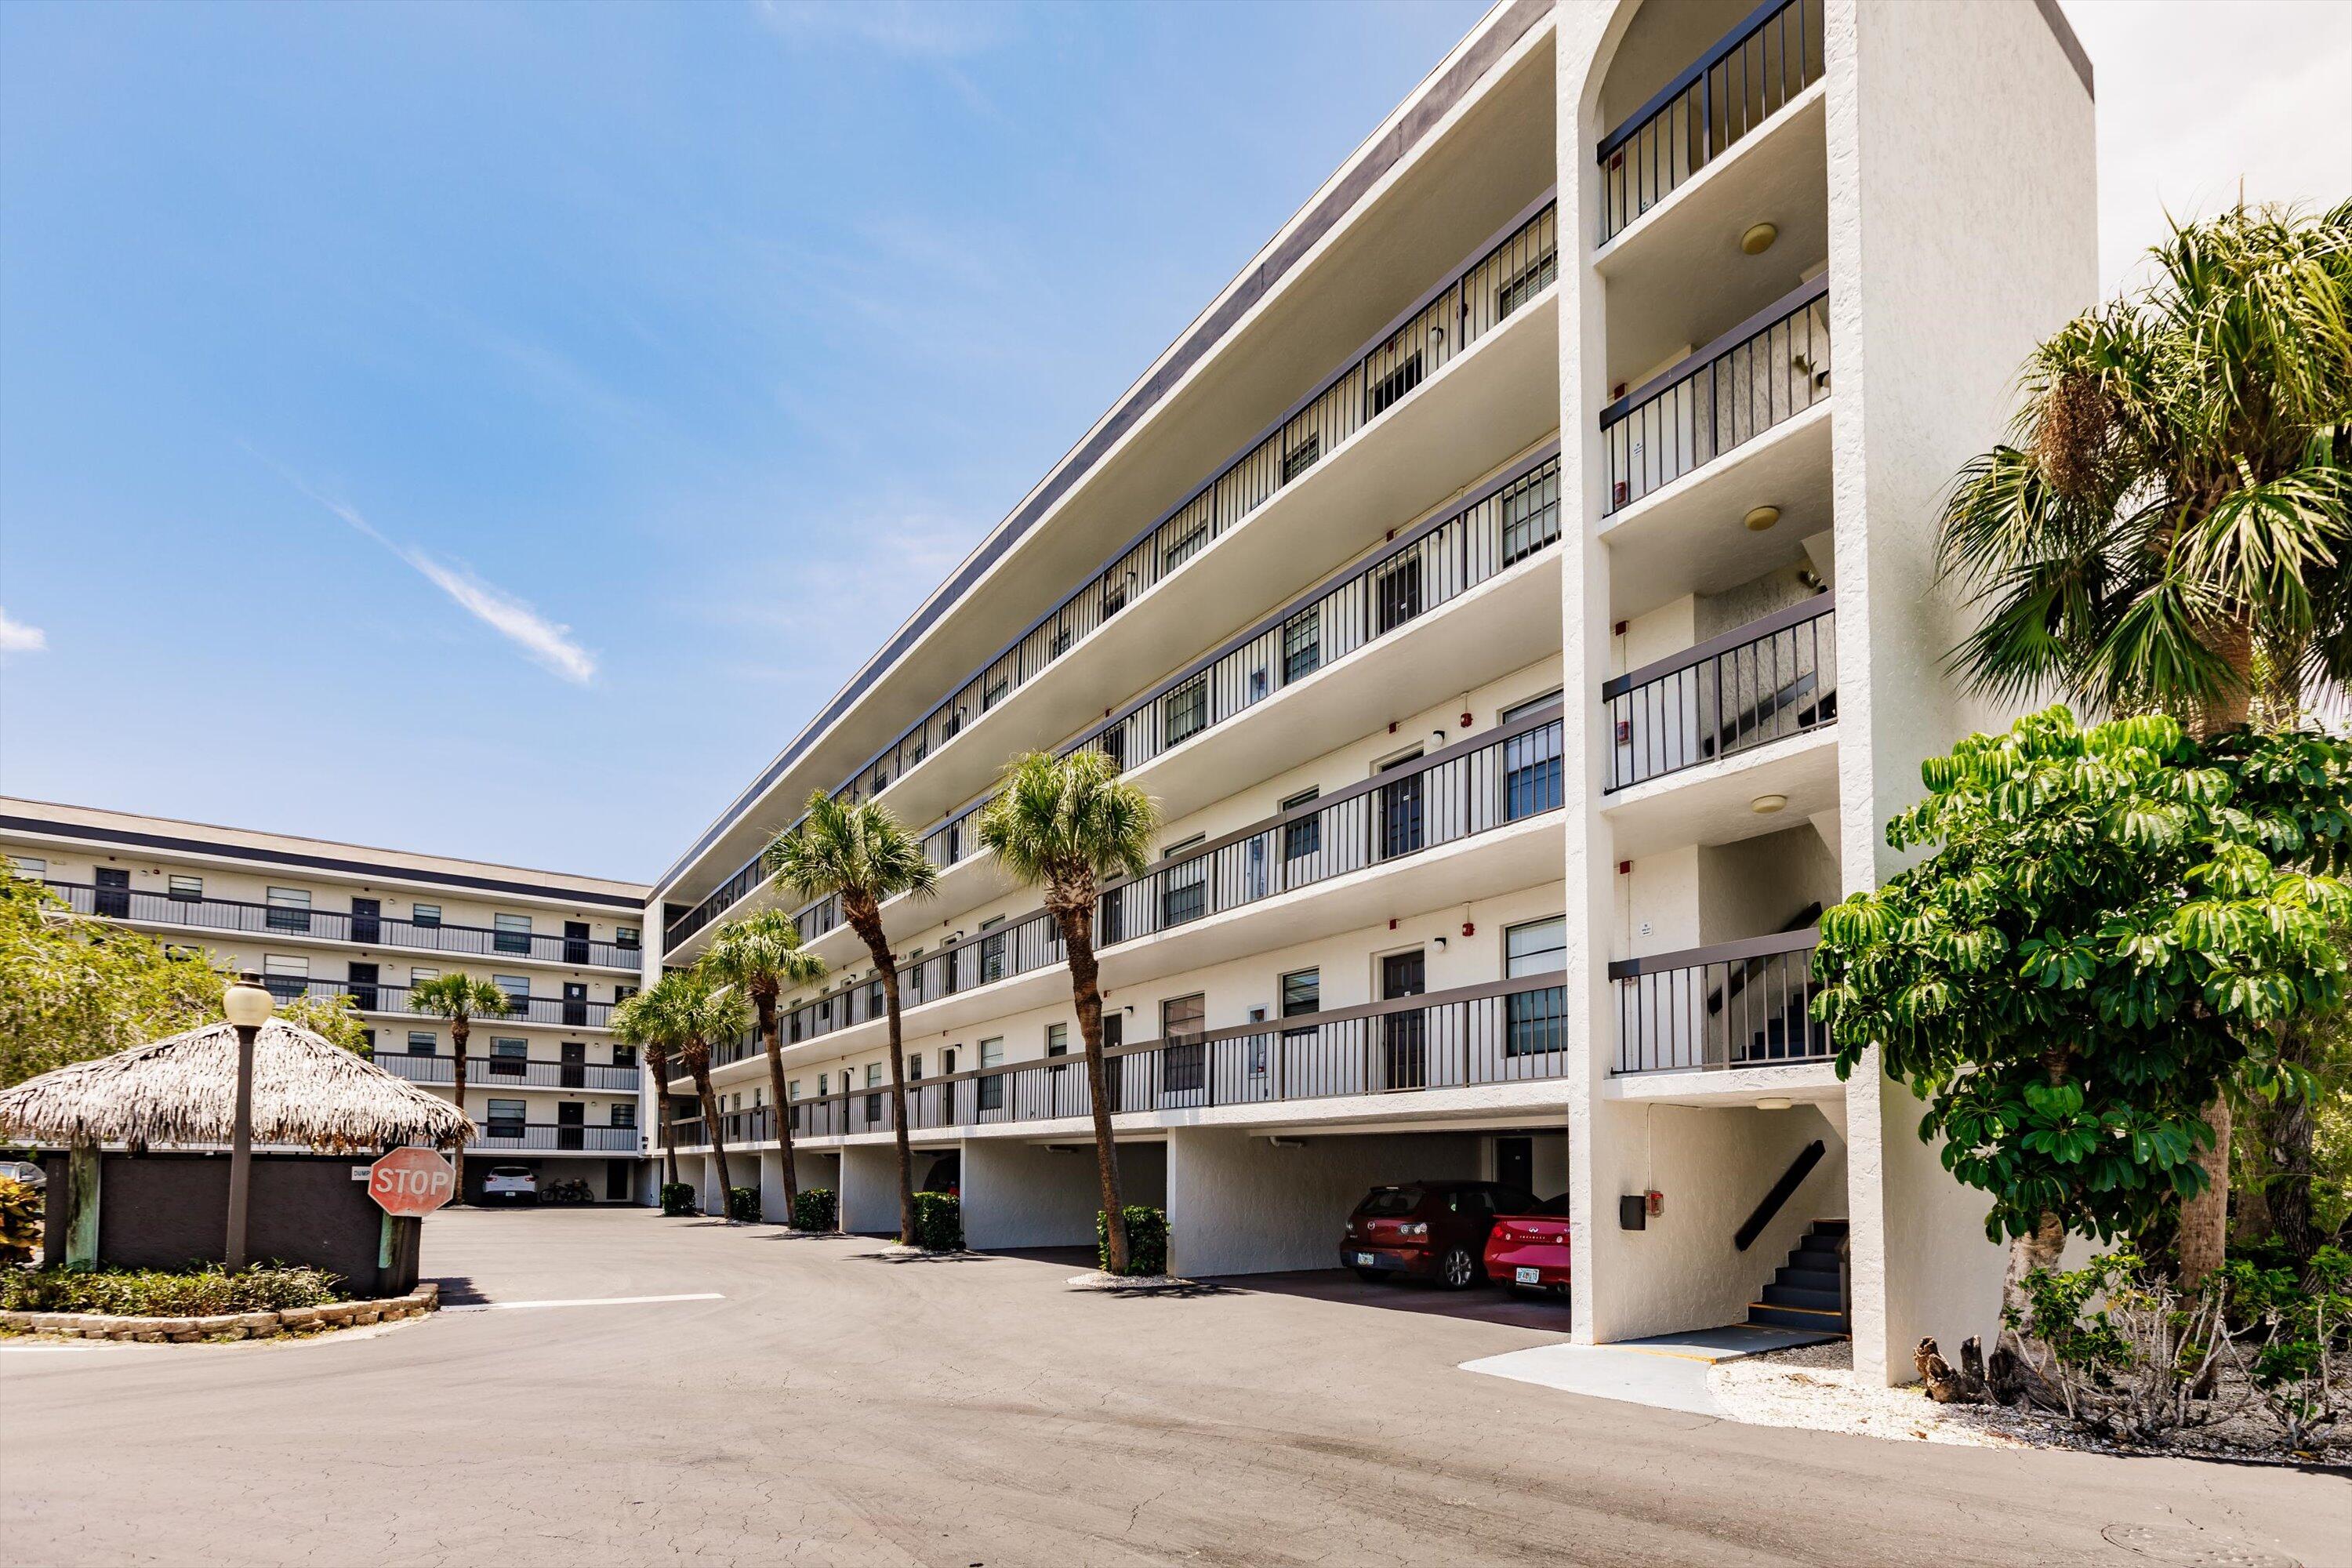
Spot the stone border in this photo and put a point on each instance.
(425, 1298)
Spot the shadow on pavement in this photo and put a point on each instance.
(1479, 1304)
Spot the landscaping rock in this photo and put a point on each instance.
(257, 1322)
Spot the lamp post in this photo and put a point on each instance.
(249, 1006)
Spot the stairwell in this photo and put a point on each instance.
(1808, 1292)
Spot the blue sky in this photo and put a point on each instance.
(492, 429)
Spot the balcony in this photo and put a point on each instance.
(495, 1073)
(1513, 273)
(1736, 84)
(555, 1138)
(1509, 775)
(236, 917)
(1504, 1032)
(392, 1000)
(1736, 1004)
(1760, 683)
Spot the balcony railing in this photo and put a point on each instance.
(378, 997)
(490, 1072)
(1506, 276)
(1766, 371)
(1738, 1004)
(241, 917)
(1761, 682)
(1774, 54)
(1509, 775)
(501, 1137)
(1508, 1031)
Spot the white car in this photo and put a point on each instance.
(24, 1170)
(510, 1185)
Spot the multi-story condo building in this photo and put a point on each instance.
(549, 1086)
(1517, 589)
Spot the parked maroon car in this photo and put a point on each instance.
(1528, 1252)
(1427, 1230)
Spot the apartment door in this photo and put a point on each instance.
(576, 1005)
(363, 984)
(572, 1125)
(112, 900)
(1404, 1036)
(572, 1071)
(617, 1181)
(1114, 1033)
(367, 920)
(575, 942)
(1515, 1163)
(1400, 809)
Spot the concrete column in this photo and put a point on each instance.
(869, 1188)
(1238, 1203)
(771, 1184)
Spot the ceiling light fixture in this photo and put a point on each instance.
(1766, 805)
(1760, 517)
(1760, 237)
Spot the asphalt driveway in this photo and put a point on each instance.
(771, 1399)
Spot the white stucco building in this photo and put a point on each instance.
(1516, 586)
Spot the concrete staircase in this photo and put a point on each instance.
(1806, 1293)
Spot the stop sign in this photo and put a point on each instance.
(411, 1182)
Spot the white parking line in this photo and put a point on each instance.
(583, 1302)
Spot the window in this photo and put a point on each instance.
(1531, 514)
(1531, 778)
(1182, 550)
(1302, 645)
(1535, 1020)
(1057, 1039)
(1302, 991)
(1518, 710)
(425, 914)
(1305, 835)
(793, 1089)
(505, 1118)
(1533, 281)
(1185, 1060)
(289, 910)
(825, 1084)
(992, 952)
(367, 1042)
(1393, 385)
(286, 977)
(185, 890)
(1258, 684)
(1396, 595)
(626, 936)
(1113, 743)
(915, 1070)
(508, 1056)
(624, 1056)
(513, 935)
(419, 975)
(1184, 887)
(992, 1090)
(29, 865)
(872, 1074)
(1184, 712)
(1113, 597)
(1301, 457)
(518, 990)
(624, 1113)
(424, 1043)
(994, 693)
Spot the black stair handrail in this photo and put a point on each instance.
(1790, 1179)
(1737, 980)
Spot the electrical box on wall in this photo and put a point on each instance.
(1634, 1212)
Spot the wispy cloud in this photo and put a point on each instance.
(547, 642)
(15, 637)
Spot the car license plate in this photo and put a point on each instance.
(1527, 1276)
(1365, 1260)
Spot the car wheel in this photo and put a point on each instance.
(1369, 1276)
(1458, 1270)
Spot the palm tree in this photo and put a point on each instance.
(862, 855)
(2170, 525)
(762, 957)
(1062, 824)
(636, 1021)
(461, 999)
(687, 1010)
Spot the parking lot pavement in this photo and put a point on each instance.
(782, 1399)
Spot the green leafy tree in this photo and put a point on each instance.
(691, 1013)
(638, 1021)
(862, 855)
(461, 999)
(761, 955)
(2168, 527)
(1063, 824)
(2097, 942)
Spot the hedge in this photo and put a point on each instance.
(939, 1222)
(195, 1292)
(744, 1204)
(814, 1208)
(1147, 1239)
(678, 1198)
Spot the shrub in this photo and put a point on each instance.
(2295, 1359)
(744, 1204)
(814, 1208)
(939, 1222)
(1147, 1239)
(200, 1293)
(20, 1220)
(678, 1198)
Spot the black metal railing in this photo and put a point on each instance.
(1767, 370)
(243, 917)
(1506, 276)
(1764, 681)
(1771, 56)
(1739, 1004)
(379, 997)
(1505, 776)
(499, 1137)
(490, 1072)
(1507, 1031)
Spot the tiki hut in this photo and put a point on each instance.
(307, 1093)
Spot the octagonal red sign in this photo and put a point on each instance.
(409, 1181)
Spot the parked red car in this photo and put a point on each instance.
(1426, 1230)
(1528, 1251)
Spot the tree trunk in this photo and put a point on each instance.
(1076, 919)
(2013, 1376)
(2205, 1218)
(770, 1036)
(2287, 1139)
(699, 1064)
(866, 919)
(659, 1062)
(458, 1029)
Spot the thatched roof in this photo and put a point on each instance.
(306, 1092)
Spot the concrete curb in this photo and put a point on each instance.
(425, 1298)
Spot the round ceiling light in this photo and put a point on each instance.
(1766, 805)
(1760, 517)
(1759, 238)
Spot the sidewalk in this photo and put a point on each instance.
(1667, 1371)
